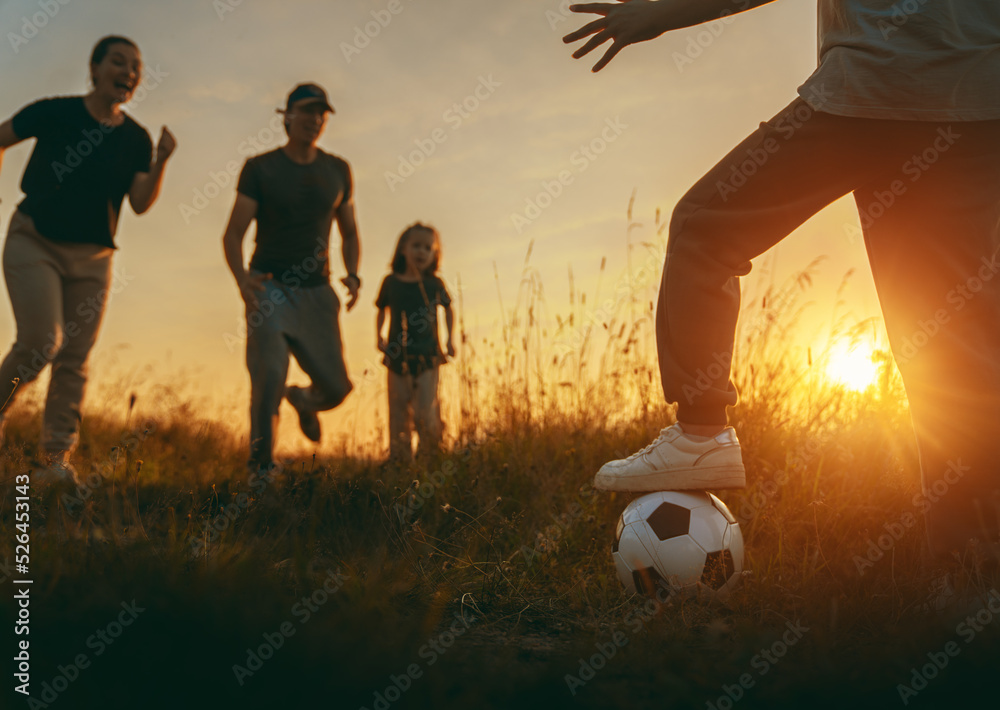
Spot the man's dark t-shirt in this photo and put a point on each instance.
(80, 170)
(419, 349)
(296, 206)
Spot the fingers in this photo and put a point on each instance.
(602, 31)
(251, 285)
(167, 143)
(595, 41)
(588, 29)
(352, 289)
(249, 298)
(608, 56)
(597, 8)
(256, 281)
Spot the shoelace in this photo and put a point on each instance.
(656, 442)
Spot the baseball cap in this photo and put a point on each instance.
(310, 93)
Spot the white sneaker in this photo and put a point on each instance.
(675, 462)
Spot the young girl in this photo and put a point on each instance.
(88, 157)
(411, 294)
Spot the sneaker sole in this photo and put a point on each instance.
(714, 478)
(305, 424)
(308, 422)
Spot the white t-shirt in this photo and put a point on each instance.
(926, 60)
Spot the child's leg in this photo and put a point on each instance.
(789, 169)
(934, 257)
(427, 410)
(400, 417)
(786, 171)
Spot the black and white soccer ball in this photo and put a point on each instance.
(680, 541)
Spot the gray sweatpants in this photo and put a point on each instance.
(302, 322)
(58, 291)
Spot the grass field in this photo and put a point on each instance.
(483, 577)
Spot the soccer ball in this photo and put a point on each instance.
(681, 541)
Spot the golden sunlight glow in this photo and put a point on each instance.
(852, 366)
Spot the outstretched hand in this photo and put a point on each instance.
(625, 22)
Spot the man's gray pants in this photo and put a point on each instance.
(302, 322)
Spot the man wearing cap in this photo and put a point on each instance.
(295, 192)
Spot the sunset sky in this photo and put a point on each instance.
(216, 72)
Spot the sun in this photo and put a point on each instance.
(852, 366)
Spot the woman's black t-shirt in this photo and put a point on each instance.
(80, 170)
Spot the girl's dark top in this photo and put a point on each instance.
(413, 344)
(80, 170)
